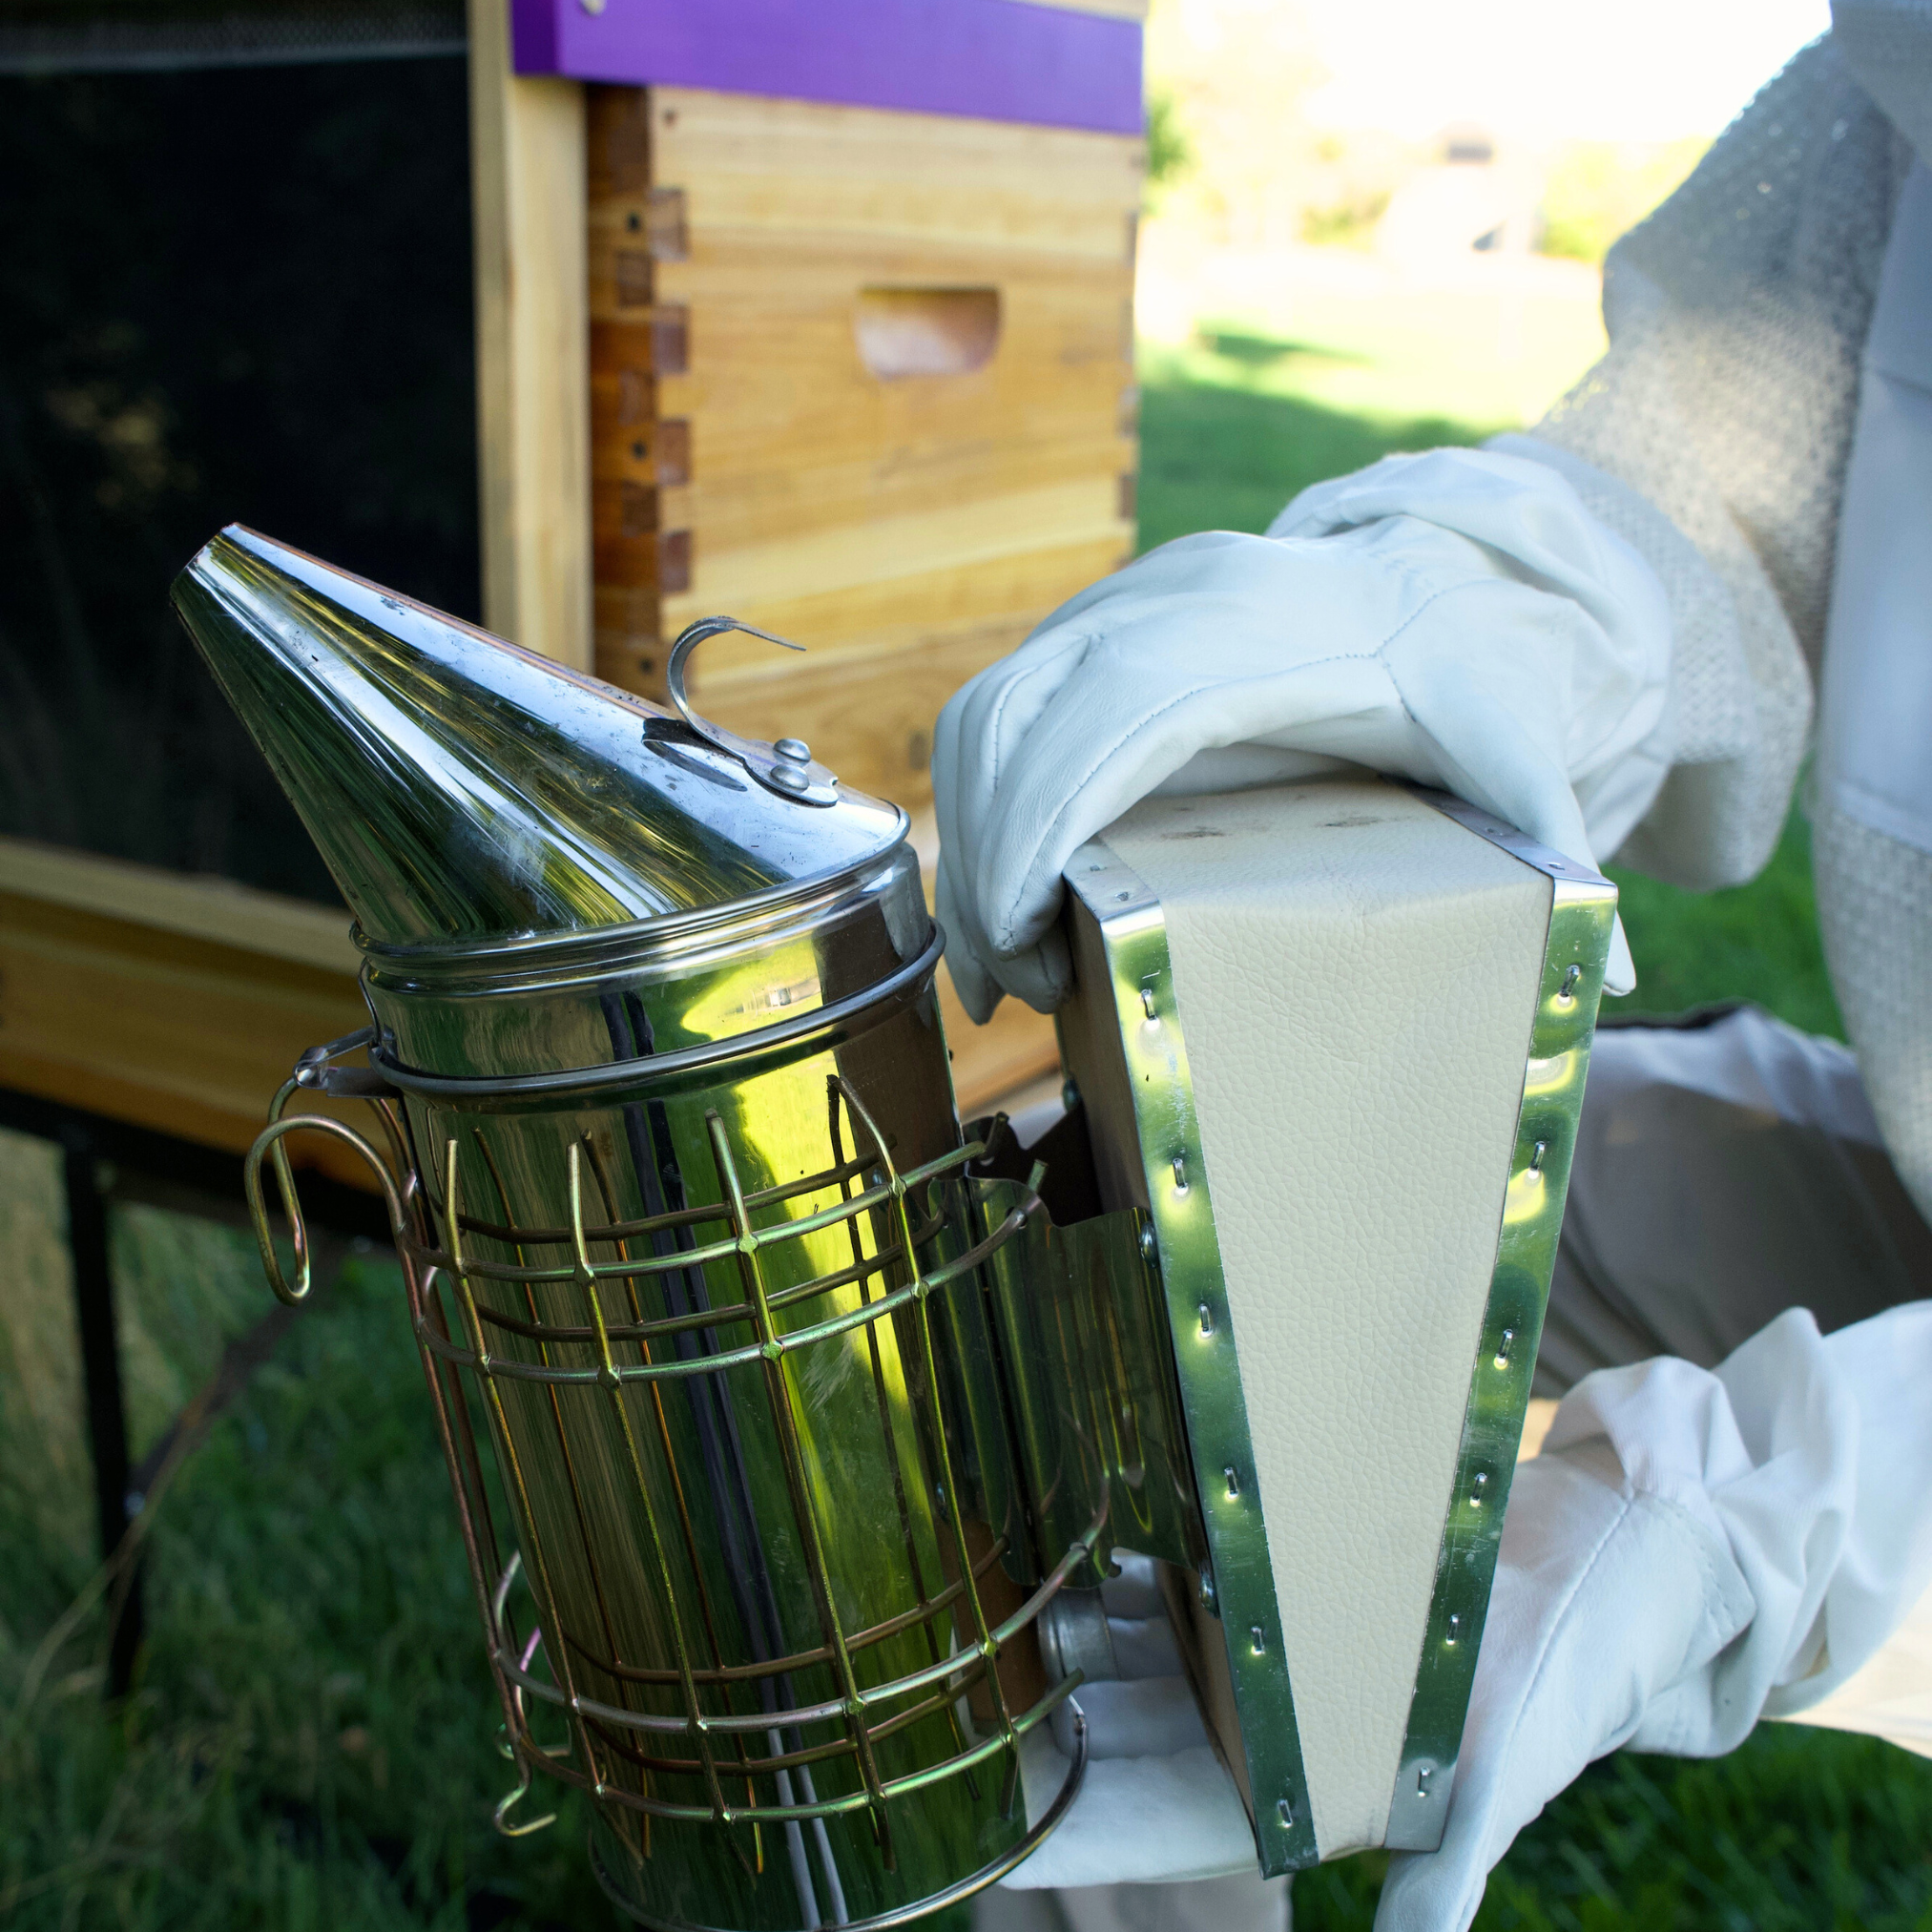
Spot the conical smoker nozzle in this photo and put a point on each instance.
(459, 787)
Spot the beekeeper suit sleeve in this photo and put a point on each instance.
(1609, 630)
(1686, 493)
(1714, 435)
(1759, 421)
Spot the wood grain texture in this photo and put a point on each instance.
(906, 529)
(527, 177)
(994, 1063)
(180, 1004)
(111, 999)
(201, 906)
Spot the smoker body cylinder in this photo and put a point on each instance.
(776, 1412)
(681, 1537)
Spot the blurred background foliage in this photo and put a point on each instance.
(1595, 191)
(1170, 153)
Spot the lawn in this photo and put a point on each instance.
(311, 1741)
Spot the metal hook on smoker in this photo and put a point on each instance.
(786, 767)
(509, 1802)
(315, 1072)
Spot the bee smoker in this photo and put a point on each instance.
(789, 1431)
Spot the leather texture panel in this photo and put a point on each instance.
(1356, 976)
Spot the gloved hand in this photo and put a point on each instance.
(1456, 617)
(1692, 1549)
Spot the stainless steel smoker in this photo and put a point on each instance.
(791, 1425)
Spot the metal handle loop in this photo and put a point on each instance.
(688, 640)
(500, 1816)
(317, 1071)
(786, 768)
(269, 1142)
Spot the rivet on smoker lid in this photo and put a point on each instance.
(794, 748)
(790, 779)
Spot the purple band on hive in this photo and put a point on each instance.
(1003, 60)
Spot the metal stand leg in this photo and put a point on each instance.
(186, 1178)
(87, 1240)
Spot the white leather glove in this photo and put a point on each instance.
(1692, 1549)
(1457, 617)
(1156, 1803)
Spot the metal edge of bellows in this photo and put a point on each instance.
(1133, 935)
(1582, 909)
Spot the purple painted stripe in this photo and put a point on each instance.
(993, 59)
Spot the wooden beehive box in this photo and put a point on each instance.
(856, 288)
(860, 310)
(861, 378)
(174, 1003)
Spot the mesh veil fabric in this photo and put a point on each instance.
(1715, 436)
(1875, 903)
(1736, 314)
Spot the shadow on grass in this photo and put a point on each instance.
(1239, 346)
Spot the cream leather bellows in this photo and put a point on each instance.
(1332, 1037)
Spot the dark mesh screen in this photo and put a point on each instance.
(46, 35)
(230, 295)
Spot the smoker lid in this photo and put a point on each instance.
(459, 787)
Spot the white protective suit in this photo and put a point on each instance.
(1609, 631)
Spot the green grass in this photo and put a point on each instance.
(311, 1741)
(1757, 941)
(1795, 1831)
(1229, 433)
